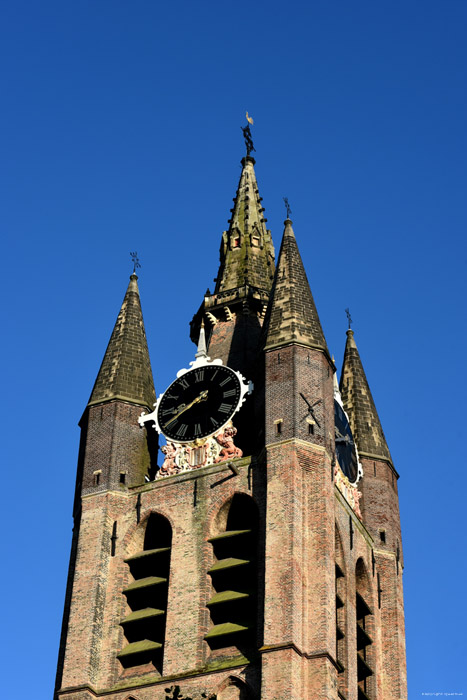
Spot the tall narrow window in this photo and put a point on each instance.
(234, 575)
(340, 619)
(341, 625)
(144, 626)
(364, 620)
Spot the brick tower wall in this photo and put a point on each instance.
(195, 505)
(380, 509)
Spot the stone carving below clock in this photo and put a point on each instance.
(200, 453)
(350, 492)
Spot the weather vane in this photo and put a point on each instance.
(287, 207)
(247, 135)
(349, 318)
(135, 261)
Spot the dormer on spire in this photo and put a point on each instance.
(125, 372)
(292, 316)
(359, 405)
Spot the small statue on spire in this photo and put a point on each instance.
(247, 135)
(135, 261)
(349, 318)
(287, 207)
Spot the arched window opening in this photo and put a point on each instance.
(341, 597)
(144, 626)
(234, 576)
(340, 604)
(233, 688)
(364, 620)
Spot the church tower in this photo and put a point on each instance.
(257, 554)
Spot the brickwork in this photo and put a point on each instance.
(380, 509)
(295, 373)
(116, 449)
(196, 505)
(236, 342)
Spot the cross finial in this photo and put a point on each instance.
(349, 318)
(287, 207)
(135, 260)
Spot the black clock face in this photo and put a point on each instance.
(345, 446)
(199, 403)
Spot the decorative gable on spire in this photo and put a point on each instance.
(125, 372)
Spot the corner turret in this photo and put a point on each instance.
(125, 372)
(292, 316)
(115, 452)
(380, 510)
(360, 407)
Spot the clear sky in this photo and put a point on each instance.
(120, 131)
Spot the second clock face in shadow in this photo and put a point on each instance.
(345, 446)
(199, 403)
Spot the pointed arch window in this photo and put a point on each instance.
(364, 623)
(233, 604)
(341, 613)
(144, 626)
(340, 618)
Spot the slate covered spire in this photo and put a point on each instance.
(359, 405)
(247, 251)
(292, 316)
(125, 372)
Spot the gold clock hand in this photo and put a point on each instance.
(202, 397)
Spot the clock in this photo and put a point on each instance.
(346, 451)
(200, 402)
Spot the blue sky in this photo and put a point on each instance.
(120, 130)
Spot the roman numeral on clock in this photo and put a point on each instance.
(197, 429)
(225, 408)
(226, 380)
(184, 383)
(199, 375)
(181, 431)
(230, 392)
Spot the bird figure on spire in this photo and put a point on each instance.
(247, 135)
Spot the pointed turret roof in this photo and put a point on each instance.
(292, 316)
(247, 251)
(359, 405)
(125, 372)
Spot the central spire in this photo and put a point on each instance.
(247, 265)
(247, 251)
